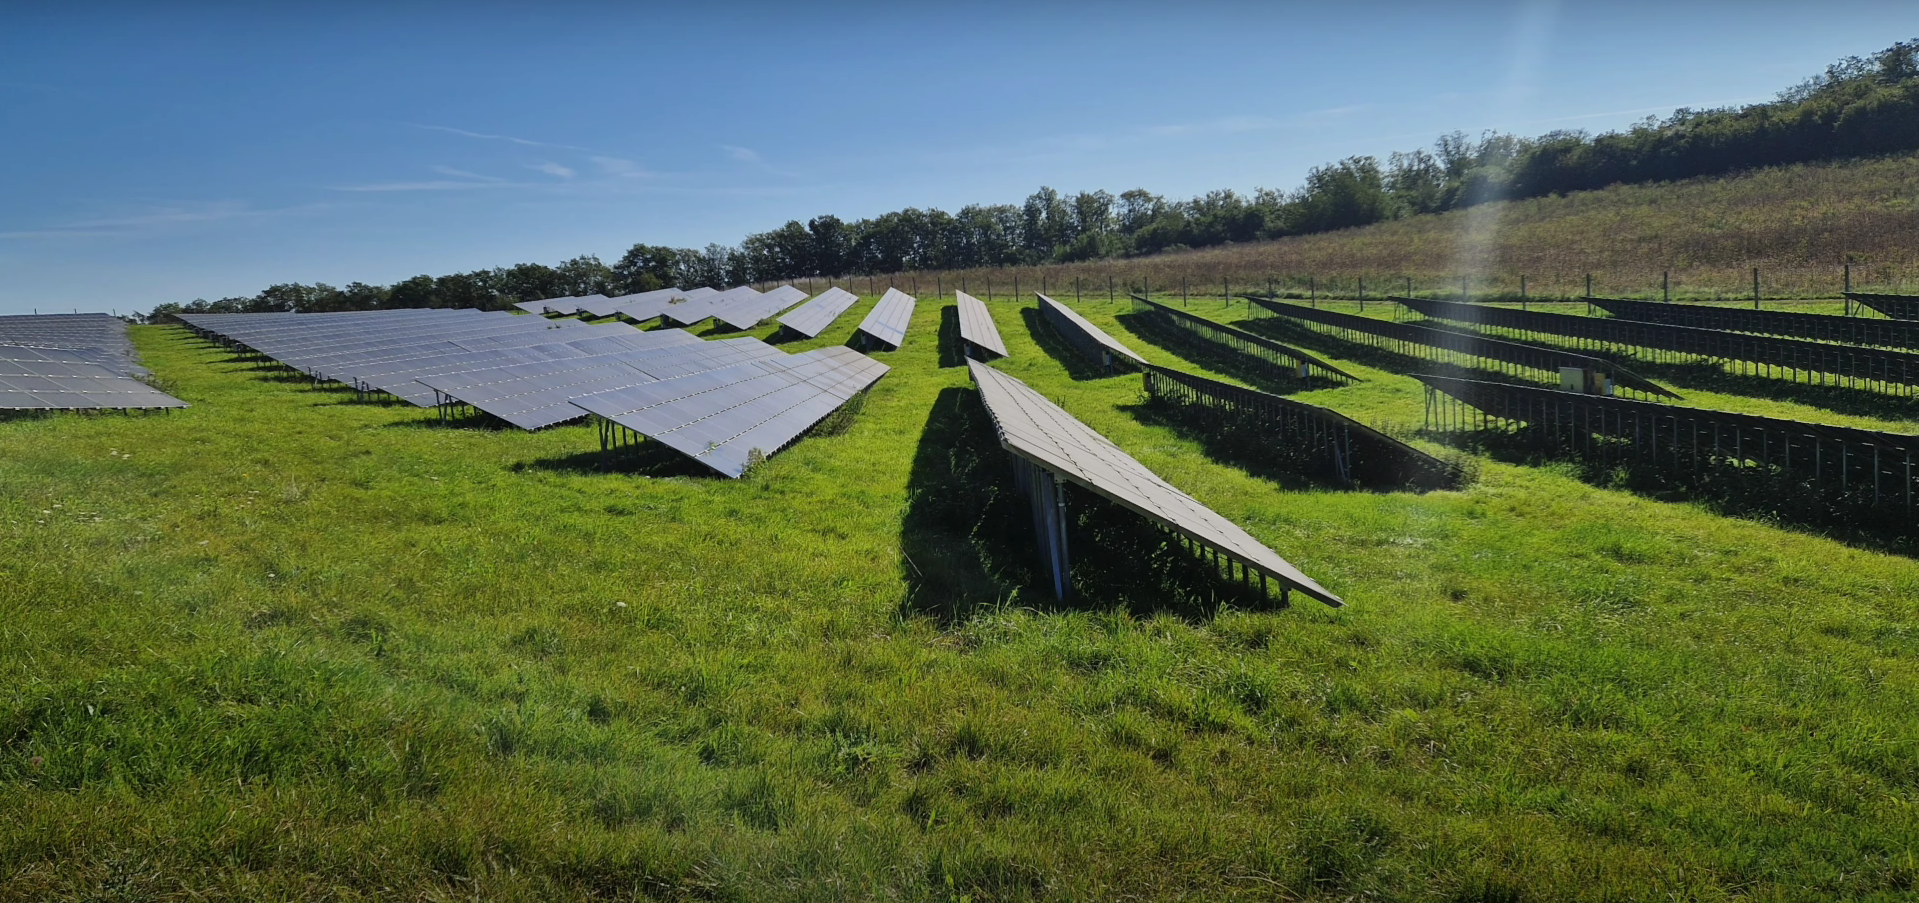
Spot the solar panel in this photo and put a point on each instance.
(401, 378)
(696, 309)
(534, 396)
(46, 384)
(644, 306)
(750, 312)
(977, 328)
(812, 318)
(1089, 340)
(1046, 437)
(725, 418)
(887, 322)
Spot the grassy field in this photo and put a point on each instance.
(1798, 224)
(290, 645)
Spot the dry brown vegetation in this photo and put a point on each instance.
(1798, 224)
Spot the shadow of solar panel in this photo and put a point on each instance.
(724, 417)
(888, 320)
(977, 326)
(644, 306)
(812, 318)
(1032, 428)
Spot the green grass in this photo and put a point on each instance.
(283, 645)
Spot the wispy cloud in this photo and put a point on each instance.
(482, 136)
(745, 155)
(463, 174)
(432, 185)
(155, 217)
(552, 169)
(620, 166)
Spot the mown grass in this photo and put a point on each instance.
(282, 645)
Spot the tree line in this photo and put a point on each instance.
(1860, 106)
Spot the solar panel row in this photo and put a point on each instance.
(96, 337)
(887, 322)
(1089, 340)
(750, 312)
(976, 327)
(722, 403)
(812, 318)
(72, 362)
(1039, 433)
(731, 416)
(645, 306)
(696, 310)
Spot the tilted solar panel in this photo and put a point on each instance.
(1038, 431)
(977, 326)
(1089, 340)
(812, 318)
(535, 396)
(887, 322)
(727, 417)
(27, 385)
(644, 306)
(695, 309)
(748, 313)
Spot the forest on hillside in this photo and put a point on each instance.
(1858, 107)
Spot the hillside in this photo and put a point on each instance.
(1798, 224)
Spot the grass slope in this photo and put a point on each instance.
(1797, 224)
(285, 644)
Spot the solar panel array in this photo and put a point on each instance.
(976, 327)
(1245, 342)
(887, 322)
(1878, 369)
(728, 417)
(1089, 340)
(538, 395)
(1898, 307)
(1041, 434)
(750, 312)
(812, 318)
(645, 306)
(694, 310)
(721, 403)
(1820, 327)
(69, 362)
(1457, 346)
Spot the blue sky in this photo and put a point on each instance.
(156, 155)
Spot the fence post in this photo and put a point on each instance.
(1589, 286)
(1076, 290)
(1848, 288)
(1755, 288)
(1312, 290)
(1182, 291)
(1362, 294)
(1109, 287)
(1665, 285)
(1464, 294)
(1226, 290)
(1015, 288)
(1522, 291)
